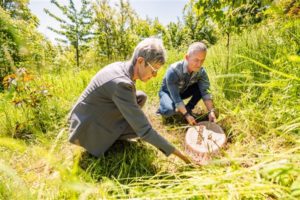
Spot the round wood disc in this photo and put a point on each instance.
(203, 140)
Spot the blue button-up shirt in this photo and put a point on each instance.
(178, 79)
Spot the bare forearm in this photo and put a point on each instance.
(212, 116)
(182, 109)
(181, 156)
(209, 104)
(189, 118)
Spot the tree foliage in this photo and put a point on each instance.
(199, 26)
(103, 30)
(20, 43)
(231, 16)
(10, 40)
(118, 28)
(18, 9)
(75, 26)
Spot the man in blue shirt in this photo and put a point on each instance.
(186, 79)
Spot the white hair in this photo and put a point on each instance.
(196, 47)
(151, 49)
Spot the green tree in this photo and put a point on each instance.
(18, 9)
(125, 20)
(21, 45)
(15, 17)
(176, 34)
(117, 29)
(198, 26)
(105, 28)
(10, 41)
(76, 28)
(283, 8)
(143, 28)
(231, 16)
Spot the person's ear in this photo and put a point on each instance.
(186, 56)
(140, 60)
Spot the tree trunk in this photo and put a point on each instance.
(77, 55)
(108, 50)
(228, 51)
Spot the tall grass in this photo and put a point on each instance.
(259, 104)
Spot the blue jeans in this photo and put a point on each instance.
(167, 105)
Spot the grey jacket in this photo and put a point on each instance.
(105, 110)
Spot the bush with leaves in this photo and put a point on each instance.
(31, 99)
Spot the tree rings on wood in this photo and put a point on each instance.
(204, 140)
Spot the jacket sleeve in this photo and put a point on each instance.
(204, 85)
(124, 98)
(172, 85)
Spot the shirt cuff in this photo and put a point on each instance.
(180, 104)
(207, 97)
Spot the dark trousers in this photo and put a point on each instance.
(167, 106)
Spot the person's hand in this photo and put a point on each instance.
(183, 157)
(190, 119)
(187, 160)
(212, 117)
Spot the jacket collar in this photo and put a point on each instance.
(185, 67)
(128, 69)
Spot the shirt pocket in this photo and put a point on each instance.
(181, 84)
(193, 81)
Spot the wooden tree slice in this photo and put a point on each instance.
(204, 140)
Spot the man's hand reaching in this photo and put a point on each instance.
(212, 117)
(190, 119)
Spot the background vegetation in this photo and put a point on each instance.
(254, 67)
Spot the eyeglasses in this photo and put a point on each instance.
(154, 71)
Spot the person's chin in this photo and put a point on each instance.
(145, 80)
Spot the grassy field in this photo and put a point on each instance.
(258, 98)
